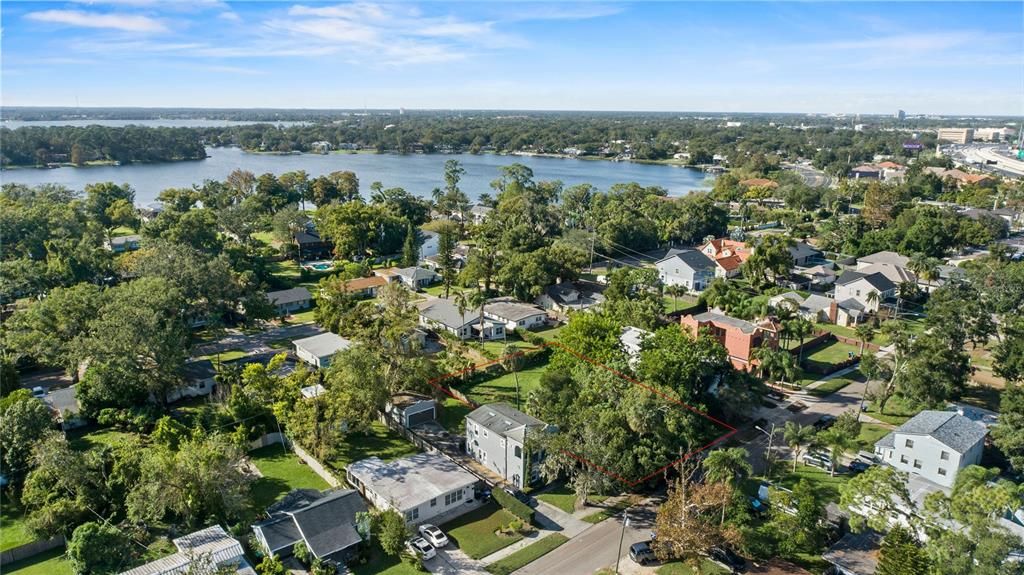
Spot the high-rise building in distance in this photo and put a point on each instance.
(901, 115)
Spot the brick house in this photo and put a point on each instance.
(740, 338)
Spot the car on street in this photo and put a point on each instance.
(641, 553)
(819, 460)
(435, 536)
(728, 559)
(858, 466)
(824, 422)
(420, 547)
(38, 392)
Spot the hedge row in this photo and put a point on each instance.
(513, 505)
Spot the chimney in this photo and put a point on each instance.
(833, 311)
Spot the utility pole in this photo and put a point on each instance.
(622, 535)
(590, 268)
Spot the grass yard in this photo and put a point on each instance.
(503, 388)
(869, 434)
(561, 496)
(308, 316)
(609, 511)
(280, 344)
(836, 383)
(13, 531)
(527, 554)
(707, 567)
(382, 564)
(896, 412)
(226, 356)
(282, 471)
(549, 333)
(437, 290)
(82, 440)
(878, 338)
(379, 441)
(680, 303)
(831, 354)
(827, 487)
(474, 532)
(51, 562)
(453, 415)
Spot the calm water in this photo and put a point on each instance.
(417, 173)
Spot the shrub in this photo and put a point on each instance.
(513, 505)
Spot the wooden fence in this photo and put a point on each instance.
(27, 550)
(856, 342)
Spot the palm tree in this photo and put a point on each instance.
(727, 465)
(477, 300)
(873, 297)
(799, 328)
(838, 444)
(925, 267)
(510, 357)
(796, 437)
(864, 332)
(675, 291)
(774, 364)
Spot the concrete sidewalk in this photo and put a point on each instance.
(549, 519)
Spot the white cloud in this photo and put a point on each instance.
(229, 16)
(123, 22)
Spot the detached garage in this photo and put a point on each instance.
(411, 409)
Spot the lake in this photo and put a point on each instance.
(417, 173)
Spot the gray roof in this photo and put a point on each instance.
(948, 427)
(412, 480)
(447, 313)
(481, 210)
(816, 302)
(308, 238)
(693, 259)
(323, 345)
(324, 521)
(512, 310)
(877, 280)
(570, 294)
(888, 441)
(198, 552)
(132, 238)
(803, 250)
(504, 419)
(416, 273)
(891, 258)
(288, 296)
(710, 316)
(851, 304)
(856, 553)
(199, 370)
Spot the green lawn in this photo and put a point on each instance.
(282, 471)
(680, 303)
(836, 383)
(13, 531)
(830, 354)
(474, 532)
(879, 337)
(308, 316)
(437, 290)
(549, 333)
(280, 344)
(827, 487)
(122, 231)
(503, 388)
(82, 440)
(561, 496)
(707, 567)
(607, 512)
(378, 441)
(869, 434)
(527, 554)
(226, 356)
(50, 563)
(896, 412)
(382, 564)
(453, 415)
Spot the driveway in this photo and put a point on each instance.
(453, 562)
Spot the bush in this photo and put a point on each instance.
(513, 505)
(530, 337)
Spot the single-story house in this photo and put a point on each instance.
(688, 268)
(441, 314)
(64, 403)
(199, 380)
(480, 213)
(515, 313)
(326, 522)
(814, 307)
(420, 486)
(209, 550)
(123, 244)
(866, 172)
(804, 253)
(365, 287)
(632, 340)
(410, 409)
(855, 553)
(310, 246)
(416, 278)
(319, 349)
(288, 301)
(819, 275)
(568, 296)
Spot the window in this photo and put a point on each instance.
(458, 495)
(485, 433)
(903, 459)
(917, 464)
(909, 443)
(413, 514)
(448, 499)
(433, 502)
(519, 452)
(942, 472)
(944, 456)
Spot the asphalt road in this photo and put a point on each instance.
(811, 175)
(597, 547)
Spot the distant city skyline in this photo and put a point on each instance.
(959, 59)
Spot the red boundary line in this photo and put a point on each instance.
(435, 383)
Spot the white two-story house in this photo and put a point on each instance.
(934, 444)
(498, 436)
(688, 268)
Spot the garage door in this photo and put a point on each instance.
(424, 416)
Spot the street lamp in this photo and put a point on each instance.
(768, 454)
(622, 535)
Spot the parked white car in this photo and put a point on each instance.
(436, 537)
(420, 547)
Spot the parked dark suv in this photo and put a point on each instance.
(642, 553)
(726, 558)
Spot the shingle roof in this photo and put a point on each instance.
(288, 296)
(323, 345)
(876, 279)
(694, 259)
(416, 273)
(511, 310)
(413, 480)
(504, 419)
(198, 552)
(856, 553)
(885, 257)
(803, 250)
(199, 370)
(360, 284)
(722, 319)
(447, 313)
(894, 273)
(948, 427)
(328, 524)
(133, 238)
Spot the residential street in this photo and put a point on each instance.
(597, 547)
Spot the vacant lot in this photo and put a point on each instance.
(378, 441)
(282, 472)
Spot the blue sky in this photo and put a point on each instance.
(923, 57)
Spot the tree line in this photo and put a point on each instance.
(39, 146)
